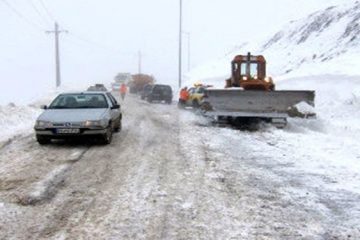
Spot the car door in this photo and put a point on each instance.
(115, 113)
(199, 94)
(156, 92)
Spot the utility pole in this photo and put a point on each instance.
(140, 61)
(188, 51)
(180, 44)
(57, 53)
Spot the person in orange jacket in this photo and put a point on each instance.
(123, 90)
(184, 96)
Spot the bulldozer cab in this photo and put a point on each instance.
(249, 72)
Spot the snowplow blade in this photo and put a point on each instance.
(262, 104)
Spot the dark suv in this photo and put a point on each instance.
(146, 90)
(160, 93)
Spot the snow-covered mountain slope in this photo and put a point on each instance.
(325, 42)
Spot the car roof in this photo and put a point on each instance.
(84, 92)
(162, 85)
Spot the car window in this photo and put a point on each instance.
(71, 101)
(157, 89)
(200, 90)
(167, 88)
(112, 99)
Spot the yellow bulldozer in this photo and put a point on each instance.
(249, 73)
(250, 94)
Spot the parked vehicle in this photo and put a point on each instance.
(85, 114)
(123, 78)
(250, 95)
(160, 93)
(196, 95)
(146, 90)
(115, 87)
(97, 87)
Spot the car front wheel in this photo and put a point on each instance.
(119, 126)
(149, 99)
(42, 140)
(107, 137)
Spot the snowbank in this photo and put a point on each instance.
(16, 120)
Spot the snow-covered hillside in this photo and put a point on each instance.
(325, 42)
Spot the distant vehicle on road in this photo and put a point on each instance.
(196, 95)
(115, 87)
(123, 78)
(146, 90)
(79, 115)
(97, 88)
(160, 92)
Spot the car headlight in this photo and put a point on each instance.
(43, 124)
(98, 123)
(92, 123)
(244, 78)
(267, 79)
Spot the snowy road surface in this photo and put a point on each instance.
(171, 175)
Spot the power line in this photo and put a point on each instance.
(98, 45)
(38, 12)
(17, 13)
(47, 11)
(80, 38)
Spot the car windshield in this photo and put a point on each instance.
(71, 101)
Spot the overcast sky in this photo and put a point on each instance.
(105, 36)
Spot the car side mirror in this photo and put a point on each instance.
(116, 106)
(44, 107)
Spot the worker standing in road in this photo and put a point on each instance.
(123, 90)
(184, 96)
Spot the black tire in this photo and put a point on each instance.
(181, 104)
(149, 99)
(119, 126)
(107, 137)
(42, 140)
(195, 104)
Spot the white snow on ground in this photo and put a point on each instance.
(15, 120)
(329, 144)
(170, 174)
(305, 108)
(311, 164)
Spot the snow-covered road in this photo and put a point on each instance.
(171, 175)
